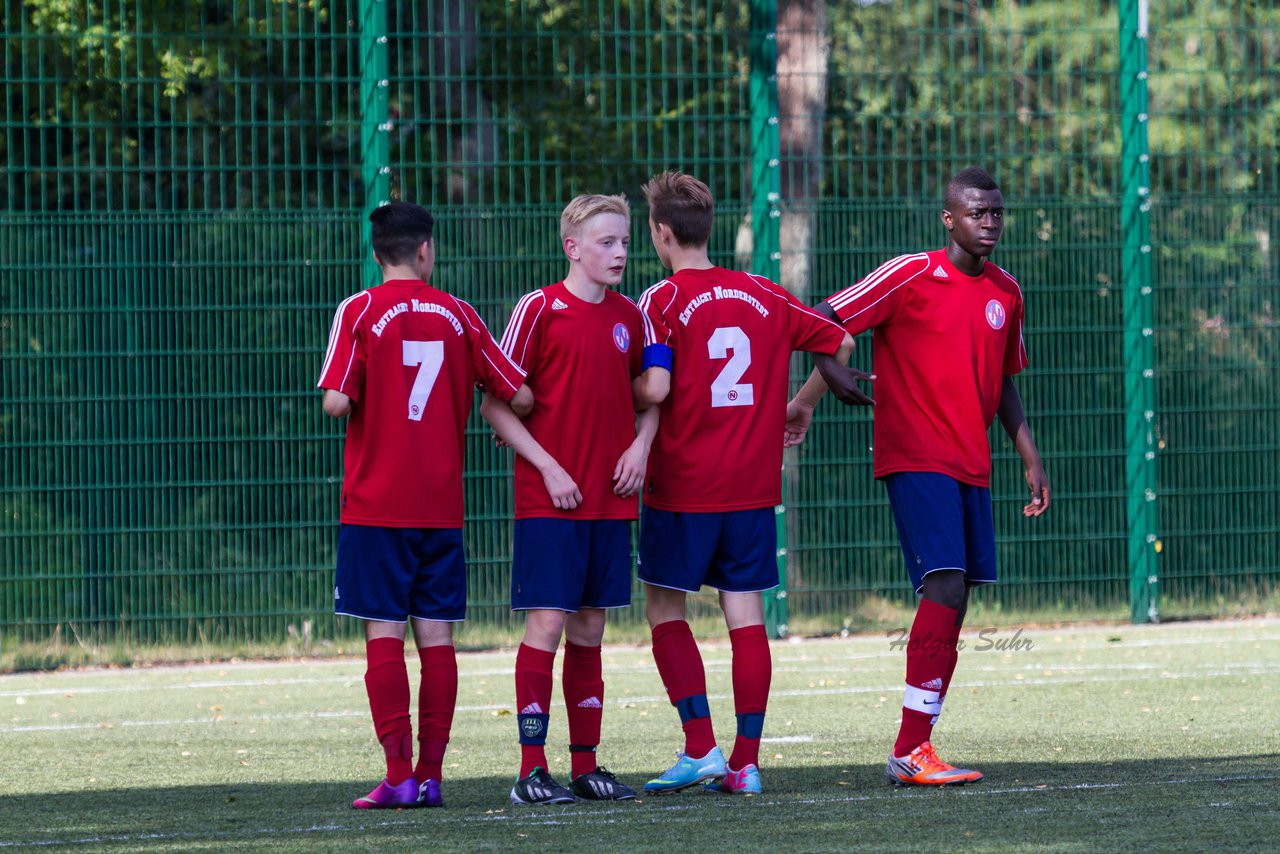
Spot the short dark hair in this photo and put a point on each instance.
(399, 228)
(684, 204)
(972, 178)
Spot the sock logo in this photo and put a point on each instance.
(532, 709)
(934, 684)
(591, 703)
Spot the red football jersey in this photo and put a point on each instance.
(579, 358)
(409, 356)
(943, 342)
(727, 338)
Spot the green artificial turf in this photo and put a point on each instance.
(1091, 738)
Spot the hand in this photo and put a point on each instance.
(628, 474)
(1039, 483)
(799, 417)
(563, 491)
(498, 441)
(843, 382)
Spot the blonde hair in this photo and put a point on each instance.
(684, 204)
(583, 208)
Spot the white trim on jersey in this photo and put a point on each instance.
(859, 289)
(468, 311)
(645, 299)
(512, 333)
(331, 350)
(796, 306)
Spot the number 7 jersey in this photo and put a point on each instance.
(409, 356)
(727, 338)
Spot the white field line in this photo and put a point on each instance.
(781, 665)
(597, 814)
(805, 652)
(1264, 670)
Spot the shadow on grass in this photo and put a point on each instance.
(1166, 805)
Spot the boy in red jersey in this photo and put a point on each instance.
(717, 348)
(571, 563)
(947, 342)
(402, 361)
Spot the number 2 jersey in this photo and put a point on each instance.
(727, 338)
(580, 358)
(409, 356)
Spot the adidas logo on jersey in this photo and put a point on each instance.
(934, 684)
(559, 304)
(532, 709)
(940, 273)
(591, 703)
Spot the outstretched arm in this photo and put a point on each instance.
(628, 474)
(560, 486)
(843, 379)
(800, 408)
(831, 372)
(1014, 422)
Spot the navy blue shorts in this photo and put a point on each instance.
(567, 564)
(736, 552)
(392, 574)
(943, 524)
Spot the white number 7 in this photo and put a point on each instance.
(725, 389)
(428, 356)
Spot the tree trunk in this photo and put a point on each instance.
(803, 51)
(462, 116)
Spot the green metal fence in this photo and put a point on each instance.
(183, 199)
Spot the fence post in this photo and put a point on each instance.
(375, 140)
(1139, 349)
(766, 198)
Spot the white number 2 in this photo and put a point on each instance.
(428, 356)
(726, 390)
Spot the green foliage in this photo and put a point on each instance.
(177, 105)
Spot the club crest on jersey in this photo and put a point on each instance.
(995, 314)
(621, 337)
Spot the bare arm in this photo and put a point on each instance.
(1014, 422)
(336, 404)
(800, 409)
(651, 387)
(629, 473)
(522, 403)
(560, 486)
(843, 381)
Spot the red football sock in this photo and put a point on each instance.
(533, 699)
(386, 680)
(927, 661)
(752, 672)
(953, 657)
(583, 687)
(680, 666)
(437, 697)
